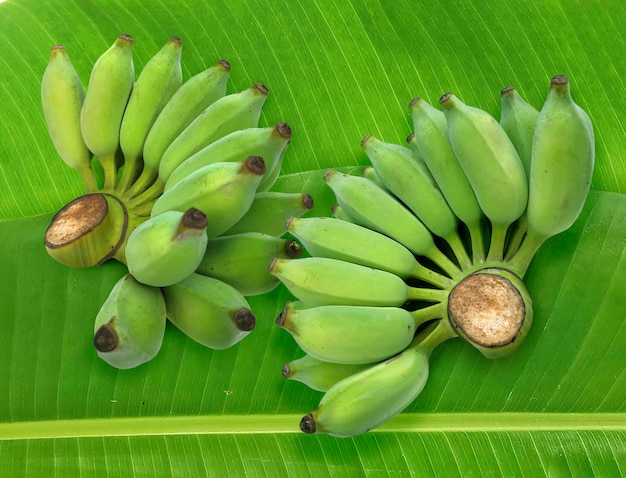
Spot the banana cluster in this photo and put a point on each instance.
(177, 178)
(431, 242)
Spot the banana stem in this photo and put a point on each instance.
(517, 237)
(91, 186)
(143, 210)
(427, 295)
(129, 174)
(109, 167)
(521, 259)
(478, 242)
(424, 273)
(443, 261)
(496, 246)
(141, 184)
(429, 339)
(149, 195)
(425, 314)
(459, 250)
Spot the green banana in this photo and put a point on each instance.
(209, 311)
(269, 212)
(242, 260)
(272, 176)
(190, 100)
(236, 146)
(338, 239)
(167, 248)
(430, 142)
(372, 207)
(367, 399)
(226, 115)
(323, 281)
(110, 85)
(492, 165)
(130, 325)
(157, 83)
(222, 191)
(87, 231)
(338, 213)
(62, 98)
(518, 119)
(563, 155)
(370, 173)
(317, 374)
(408, 178)
(350, 334)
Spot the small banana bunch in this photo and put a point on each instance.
(431, 242)
(177, 178)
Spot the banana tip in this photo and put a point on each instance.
(126, 37)
(507, 91)
(307, 200)
(410, 137)
(293, 249)
(282, 317)
(176, 40)
(245, 320)
(414, 102)
(445, 98)
(105, 338)
(261, 88)
(255, 165)
(284, 130)
(224, 64)
(365, 139)
(559, 80)
(328, 174)
(285, 371)
(273, 264)
(194, 219)
(307, 424)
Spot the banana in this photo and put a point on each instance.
(87, 231)
(339, 213)
(226, 115)
(157, 83)
(563, 156)
(323, 281)
(270, 211)
(209, 311)
(350, 334)
(236, 146)
(371, 207)
(194, 96)
(272, 176)
(242, 260)
(518, 119)
(62, 98)
(370, 173)
(317, 374)
(430, 142)
(130, 325)
(408, 178)
(337, 239)
(222, 191)
(167, 248)
(367, 399)
(110, 85)
(492, 165)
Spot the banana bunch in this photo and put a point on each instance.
(430, 242)
(178, 177)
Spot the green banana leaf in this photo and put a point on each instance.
(336, 71)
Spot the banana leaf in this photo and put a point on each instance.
(336, 71)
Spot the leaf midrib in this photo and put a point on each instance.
(288, 423)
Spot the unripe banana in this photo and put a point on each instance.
(209, 311)
(110, 85)
(408, 178)
(492, 165)
(518, 119)
(242, 260)
(230, 113)
(323, 281)
(337, 239)
(562, 164)
(367, 399)
(317, 374)
(192, 98)
(130, 325)
(157, 82)
(87, 231)
(222, 191)
(349, 334)
(370, 173)
(236, 146)
(62, 98)
(269, 212)
(338, 213)
(272, 176)
(430, 142)
(167, 248)
(371, 207)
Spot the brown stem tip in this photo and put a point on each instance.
(245, 320)
(106, 339)
(307, 201)
(285, 371)
(559, 80)
(293, 249)
(284, 130)
(262, 88)
(194, 219)
(255, 165)
(414, 102)
(224, 64)
(445, 97)
(507, 91)
(307, 424)
(365, 139)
